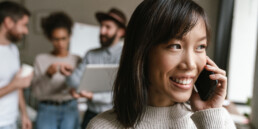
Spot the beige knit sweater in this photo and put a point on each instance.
(175, 117)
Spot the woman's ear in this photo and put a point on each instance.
(8, 23)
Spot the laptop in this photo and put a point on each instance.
(98, 78)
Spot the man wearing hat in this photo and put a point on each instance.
(112, 29)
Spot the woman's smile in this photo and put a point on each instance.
(184, 83)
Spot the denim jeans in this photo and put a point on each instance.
(64, 116)
(11, 126)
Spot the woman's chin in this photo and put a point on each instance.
(182, 99)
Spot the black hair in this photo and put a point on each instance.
(153, 22)
(13, 10)
(56, 20)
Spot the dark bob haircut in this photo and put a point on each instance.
(153, 22)
(13, 10)
(54, 21)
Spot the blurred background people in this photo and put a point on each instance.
(112, 29)
(13, 26)
(57, 108)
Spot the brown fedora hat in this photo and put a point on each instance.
(113, 14)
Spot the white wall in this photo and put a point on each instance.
(83, 11)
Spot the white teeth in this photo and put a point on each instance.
(183, 81)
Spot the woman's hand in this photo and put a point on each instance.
(86, 94)
(219, 95)
(82, 94)
(66, 69)
(74, 94)
(52, 69)
(63, 68)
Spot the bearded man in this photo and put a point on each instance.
(112, 30)
(13, 26)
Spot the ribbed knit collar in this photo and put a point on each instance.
(176, 111)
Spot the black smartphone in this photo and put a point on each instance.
(204, 85)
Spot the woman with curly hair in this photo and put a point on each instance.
(57, 108)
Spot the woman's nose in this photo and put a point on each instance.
(188, 61)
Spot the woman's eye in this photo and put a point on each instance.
(201, 47)
(175, 46)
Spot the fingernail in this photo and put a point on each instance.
(208, 65)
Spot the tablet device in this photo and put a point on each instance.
(98, 78)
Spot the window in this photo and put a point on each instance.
(243, 50)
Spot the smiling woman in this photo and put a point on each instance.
(174, 66)
(164, 53)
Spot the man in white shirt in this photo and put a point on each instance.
(13, 25)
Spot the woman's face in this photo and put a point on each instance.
(60, 39)
(174, 66)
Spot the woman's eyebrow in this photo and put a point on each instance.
(202, 38)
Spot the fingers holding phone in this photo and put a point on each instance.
(219, 75)
(211, 86)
